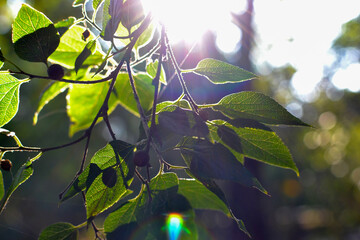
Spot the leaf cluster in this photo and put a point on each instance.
(213, 138)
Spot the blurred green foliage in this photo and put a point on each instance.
(324, 203)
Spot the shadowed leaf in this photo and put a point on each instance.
(183, 122)
(89, 49)
(215, 161)
(61, 230)
(34, 36)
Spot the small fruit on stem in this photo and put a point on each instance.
(5, 164)
(141, 158)
(56, 71)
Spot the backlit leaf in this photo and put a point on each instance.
(262, 145)
(71, 45)
(9, 97)
(84, 101)
(219, 72)
(200, 197)
(22, 174)
(95, 168)
(144, 87)
(96, 4)
(34, 36)
(145, 38)
(61, 230)
(49, 94)
(99, 196)
(256, 106)
(151, 69)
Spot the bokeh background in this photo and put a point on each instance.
(308, 56)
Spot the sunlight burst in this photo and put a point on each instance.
(188, 20)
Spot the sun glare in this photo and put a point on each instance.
(188, 20)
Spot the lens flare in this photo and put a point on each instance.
(175, 226)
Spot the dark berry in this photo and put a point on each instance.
(85, 35)
(141, 158)
(109, 177)
(5, 164)
(56, 71)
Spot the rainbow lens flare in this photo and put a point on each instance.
(174, 225)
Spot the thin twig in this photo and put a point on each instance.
(31, 76)
(180, 65)
(181, 79)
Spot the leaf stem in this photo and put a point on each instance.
(179, 74)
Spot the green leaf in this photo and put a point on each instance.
(2, 187)
(262, 145)
(144, 87)
(61, 230)
(77, 3)
(230, 138)
(63, 25)
(89, 49)
(23, 173)
(83, 103)
(183, 122)
(9, 96)
(2, 59)
(151, 69)
(71, 45)
(214, 137)
(123, 215)
(200, 197)
(49, 94)
(129, 211)
(98, 164)
(170, 106)
(219, 72)
(96, 4)
(112, 12)
(100, 196)
(34, 36)
(256, 106)
(132, 13)
(145, 38)
(215, 189)
(215, 161)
